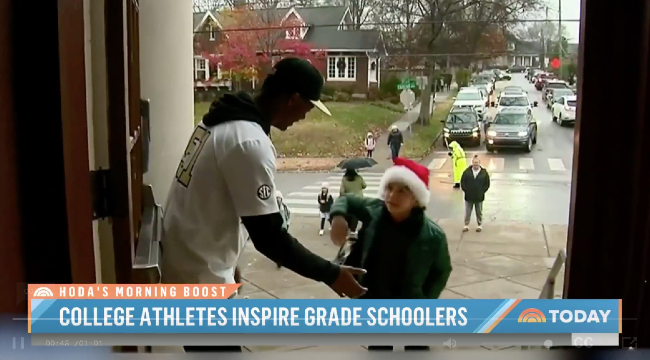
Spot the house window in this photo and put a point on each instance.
(201, 69)
(351, 67)
(341, 68)
(212, 31)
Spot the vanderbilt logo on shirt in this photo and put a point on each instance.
(192, 151)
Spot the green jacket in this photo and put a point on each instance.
(429, 262)
(355, 186)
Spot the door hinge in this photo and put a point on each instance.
(102, 203)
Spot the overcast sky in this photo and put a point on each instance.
(570, 11)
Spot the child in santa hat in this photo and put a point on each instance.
(404, 252)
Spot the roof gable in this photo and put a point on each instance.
(200, 18)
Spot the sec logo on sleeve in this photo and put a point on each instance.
(264, 192)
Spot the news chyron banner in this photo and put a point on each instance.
(204, 309)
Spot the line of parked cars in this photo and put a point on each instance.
(513, 125)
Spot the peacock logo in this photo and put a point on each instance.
(532, 315)
(43, 292)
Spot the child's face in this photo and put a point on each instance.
(399, 199)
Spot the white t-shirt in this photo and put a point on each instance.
(476, 172)
(227, 172)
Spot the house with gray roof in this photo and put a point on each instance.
(520, 53)
(207, 37)
(353, 56)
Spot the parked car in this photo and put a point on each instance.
(531, 72)
(462, 125)
(542, 78)
(518, 100)
(556, 94)
(514, 89)
(512, 127)
(484, 83)
(564, 110)
(553, 84)
(517, 69)
(473, 98)
(501, 75)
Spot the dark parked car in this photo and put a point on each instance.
(462, 125)
(517, 69)
(512, 128)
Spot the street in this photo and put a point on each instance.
(530, 187)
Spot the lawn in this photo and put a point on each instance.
(321, 136)
(420, 143)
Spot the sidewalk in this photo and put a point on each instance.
(382, 151)
(506, 261)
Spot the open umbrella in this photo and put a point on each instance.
(357, 163)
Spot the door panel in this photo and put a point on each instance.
(135, 118)
(125, 140)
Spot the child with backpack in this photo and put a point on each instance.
(325, 201)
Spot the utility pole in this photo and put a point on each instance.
(543, 60)
(559, 30)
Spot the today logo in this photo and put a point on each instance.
(533, 315)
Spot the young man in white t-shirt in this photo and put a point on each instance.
(224, 189)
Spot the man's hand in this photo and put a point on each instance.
(346, 285)
(339, 231)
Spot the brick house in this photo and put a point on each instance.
(207, 36)
(353, 57)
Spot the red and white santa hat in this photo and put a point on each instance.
(411, 174)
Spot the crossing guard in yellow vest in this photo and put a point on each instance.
(458, 162)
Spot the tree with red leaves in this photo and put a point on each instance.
(252, 44)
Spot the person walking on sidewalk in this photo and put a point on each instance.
(395, 141)
(370, 144)
(406, 253)
(475, 183)
(325, 201)
(458, 162)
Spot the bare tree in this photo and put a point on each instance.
(488, 24)
(398, 23)
(360, 10)
(434, 13)
(205, 5)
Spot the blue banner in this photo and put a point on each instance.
(508, 316)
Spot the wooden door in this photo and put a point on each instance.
(125, 125)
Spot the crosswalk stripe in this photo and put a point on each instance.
(303, 211)
(496, 164)
(366, 178)
(290, 201)
(337, 188)
(556, 164)
(437, 163)
(334, 181)
(526, 164)
(313, 194)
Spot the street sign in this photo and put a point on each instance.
(407, 98)
(406, 83)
